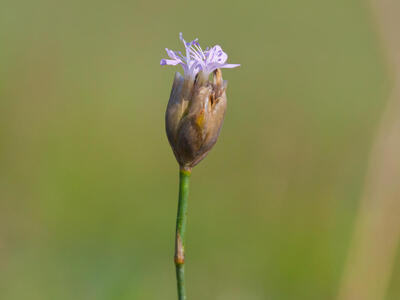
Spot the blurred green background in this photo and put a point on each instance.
(88, 182)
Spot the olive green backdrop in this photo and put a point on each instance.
(88, 182)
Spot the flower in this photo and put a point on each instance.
(197, 104)
(197, 60)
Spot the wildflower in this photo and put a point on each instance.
(193, 120)
(197, 104)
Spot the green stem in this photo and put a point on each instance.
(184, 176)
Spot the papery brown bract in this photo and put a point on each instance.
(194, 117)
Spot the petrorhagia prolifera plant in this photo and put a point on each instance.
(193, 120)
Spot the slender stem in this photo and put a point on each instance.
(184, 176)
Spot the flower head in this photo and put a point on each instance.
(197, 103)
(196, 60)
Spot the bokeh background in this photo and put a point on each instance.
(88, 182)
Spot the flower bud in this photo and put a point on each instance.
(194, 116)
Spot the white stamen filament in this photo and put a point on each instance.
(195, 54)
(198, 47)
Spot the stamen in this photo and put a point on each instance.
(195, 54)
(200, 50)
